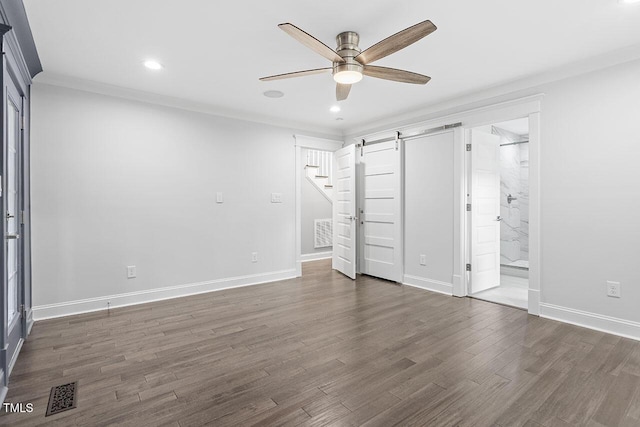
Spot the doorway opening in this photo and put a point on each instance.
(316, 204)
(314, 160)
(500, 213)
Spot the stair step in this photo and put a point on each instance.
(328, 186)
(322, 176)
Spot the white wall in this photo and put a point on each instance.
(590, 189)
(118, 182)
(429, 204)
(314, 205)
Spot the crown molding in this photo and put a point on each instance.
(20, 40)
(52, 79)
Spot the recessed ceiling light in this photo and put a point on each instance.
(273, 94)
(628, 1)
(335, 109)
(153, 65)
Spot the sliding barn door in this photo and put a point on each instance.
(381, 216)
(344, 211)
(485, 211)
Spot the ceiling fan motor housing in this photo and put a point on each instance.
(348, 49)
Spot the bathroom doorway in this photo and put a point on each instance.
(499, 220)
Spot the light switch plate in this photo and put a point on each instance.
(219, 198)
(423, 259)
(276, 197)
(131, 271)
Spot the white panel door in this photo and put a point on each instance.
(485, 211)
(381, 213)
(344, 211)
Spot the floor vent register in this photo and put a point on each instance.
(62, 398)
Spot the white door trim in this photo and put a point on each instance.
(300, 142)
(532, 111)
(535, 266)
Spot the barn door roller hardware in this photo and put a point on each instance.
(400, 135)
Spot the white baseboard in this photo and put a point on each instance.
(534, 302)
(598, 322)
(428, 284)
(14, 359)
(315, 257)
(298, 268)
(132, 298)
(458, 289)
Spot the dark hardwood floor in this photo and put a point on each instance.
(323, 350)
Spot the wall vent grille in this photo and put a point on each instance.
(323, 233)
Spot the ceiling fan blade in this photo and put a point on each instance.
(342, 91)
(395, 75)
(296, 74)
(311, 42)
(396, 42)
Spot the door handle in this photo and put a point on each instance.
(12, 236)
(499, 218)
(353, 218)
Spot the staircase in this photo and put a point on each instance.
(319, 169)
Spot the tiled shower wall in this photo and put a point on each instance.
(514, 180)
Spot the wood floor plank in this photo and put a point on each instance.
(520, 410)
(614, 406)
(325, 350)
(363, 413)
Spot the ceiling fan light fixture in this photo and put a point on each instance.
(347, 72)
(347, 77)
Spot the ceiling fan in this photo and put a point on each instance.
(350, 63)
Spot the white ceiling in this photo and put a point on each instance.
(214, 52)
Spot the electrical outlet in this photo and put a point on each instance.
(613, 289)
(276, 197)
(254, 256)
(131, 271)
(423, 259)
